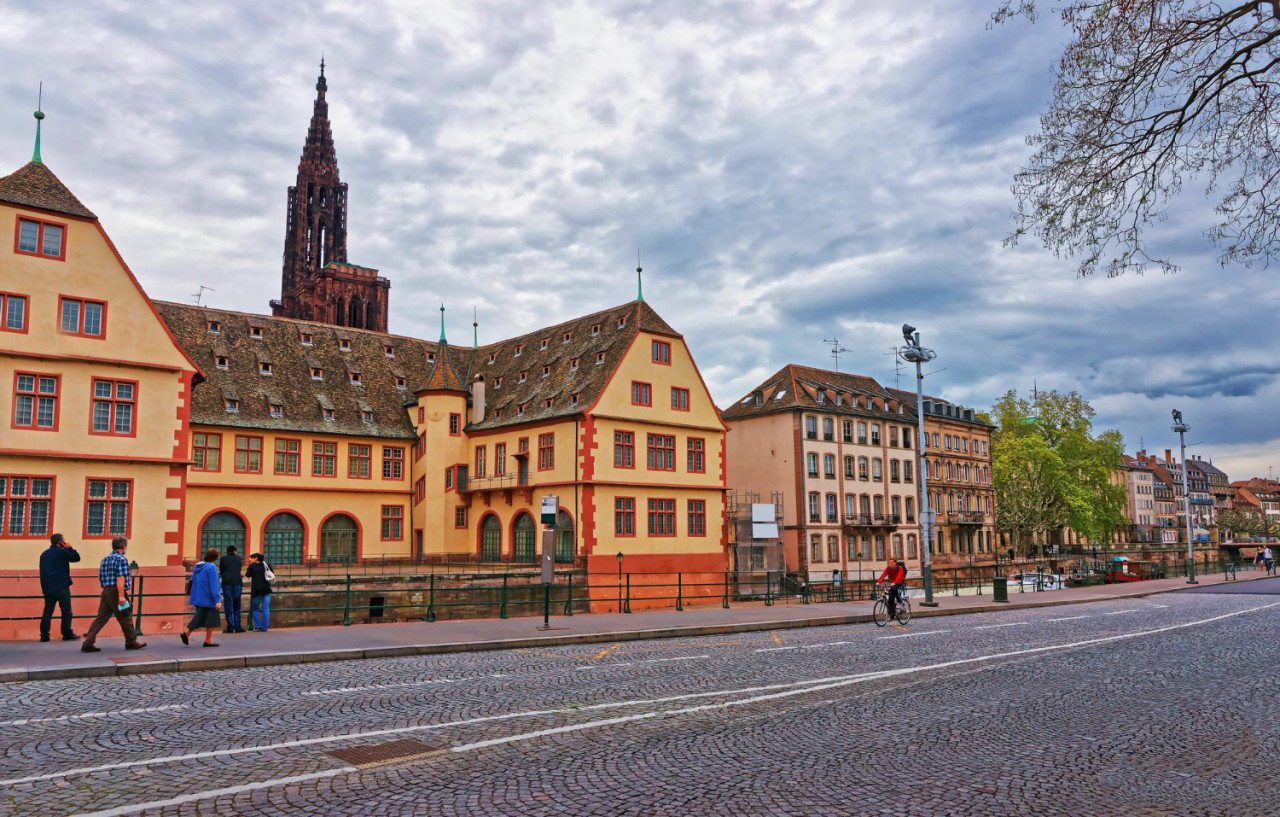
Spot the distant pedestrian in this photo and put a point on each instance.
(113, 575)
(1269, 559)
(231, 567)
(206, 597)
(55, 584)
(1260, 559)
(259, 593)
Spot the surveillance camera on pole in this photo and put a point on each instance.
(913, 352)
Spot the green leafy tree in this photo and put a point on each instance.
(1049, 469)
(1149, 93)
(1242, 522)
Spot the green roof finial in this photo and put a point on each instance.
(442, 340)
(639, 282)
(39, 114)
(475, 330)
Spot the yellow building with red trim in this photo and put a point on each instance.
(93, 387)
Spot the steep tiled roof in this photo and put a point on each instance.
(34, 185)
(796, 387)
(290, 384)
(596, 342)
(561, 380)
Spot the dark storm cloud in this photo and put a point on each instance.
(790, 171)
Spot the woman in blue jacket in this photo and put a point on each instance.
(206, 597)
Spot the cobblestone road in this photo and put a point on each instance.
(1162, 705)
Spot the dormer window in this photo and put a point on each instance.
(317, 373)
(356, 379)
(573, 399)
(524, 376)
(255, 332)
(388, 350)
(622, 321)
(548, 403)
(307, 340)
(546, 370)
(520, 409)
(264, 367)
(277, 410)
(400, 383)
(328, 415)
(231, 404)
(595, 329)
(344, 345)
(493, 356)
(544, 343)
(573, 364)
(366, 417)
(568, 336)
(214, 327)
(497, 382)
(599, 357)
(519, 350)
(222, 363)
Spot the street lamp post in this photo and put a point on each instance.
(1182, 428)
(619, 581)
(913, 352)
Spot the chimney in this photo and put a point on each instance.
(477, 399)
(1168, 455)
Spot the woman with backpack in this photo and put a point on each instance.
(206, 597)
(260, 576)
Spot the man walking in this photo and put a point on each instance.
(231, 568)
(55, 584)
(113, 575)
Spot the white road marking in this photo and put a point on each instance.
(1160, 606)
(1068, 618)
(993, 626)
(63, 718)
(376, 687)
(679, 658)
(913, 635)
(828, 644)
(793, 688)
(205, 795)
(1118, 612)
(776, 649)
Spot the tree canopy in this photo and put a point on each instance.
(1049, 469)
(1149, 93)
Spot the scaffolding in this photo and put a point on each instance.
(755, 539)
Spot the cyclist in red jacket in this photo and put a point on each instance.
(896, 575)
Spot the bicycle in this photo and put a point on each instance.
(880, 611)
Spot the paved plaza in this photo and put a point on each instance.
(1156, 705)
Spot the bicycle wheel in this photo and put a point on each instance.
(904, 611)
(880, 613)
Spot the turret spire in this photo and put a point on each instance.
(442, 338)
(39, 114)
(475, 330)
(639, 281)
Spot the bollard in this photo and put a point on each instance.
(725, 603)
(431, 599)
(346, 610)
(626, 605)
(568, 599)
(768, 590)
(502, 613)
(679, 592)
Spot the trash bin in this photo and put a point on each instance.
(1000, 589)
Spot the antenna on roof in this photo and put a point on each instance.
(199, 296)
(836, 350)
(897, 365)
(39, 114)
(639, 282)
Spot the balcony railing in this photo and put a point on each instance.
(492, 483)
(966, 517)
(867, 520)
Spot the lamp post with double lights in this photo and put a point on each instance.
(913, 352)
(1182, 428)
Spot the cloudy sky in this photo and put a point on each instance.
(790, 171)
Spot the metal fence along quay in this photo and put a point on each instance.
(307, 597)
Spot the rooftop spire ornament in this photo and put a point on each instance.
(39, 114)
(442, 339)
(639, 282)
(475, 330)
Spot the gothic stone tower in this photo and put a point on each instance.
(318, 284)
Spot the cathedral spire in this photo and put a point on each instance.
(318, 148)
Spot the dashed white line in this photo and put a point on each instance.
(376, 687)
(1068, 618)
(83, 715)
(678, 658)
(993, 626)
(776, 649)
(913, 635)
(1118, 612)
(205, 795)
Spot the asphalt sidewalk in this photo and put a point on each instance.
(33, 661)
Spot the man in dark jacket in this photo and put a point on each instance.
(55, 584)
(231, 569)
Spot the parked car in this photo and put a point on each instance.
(1032, 582)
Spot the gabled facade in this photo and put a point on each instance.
(1140, 484)
(842, 451)
(93, 387)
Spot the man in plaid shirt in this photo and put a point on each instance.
(113, 575)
